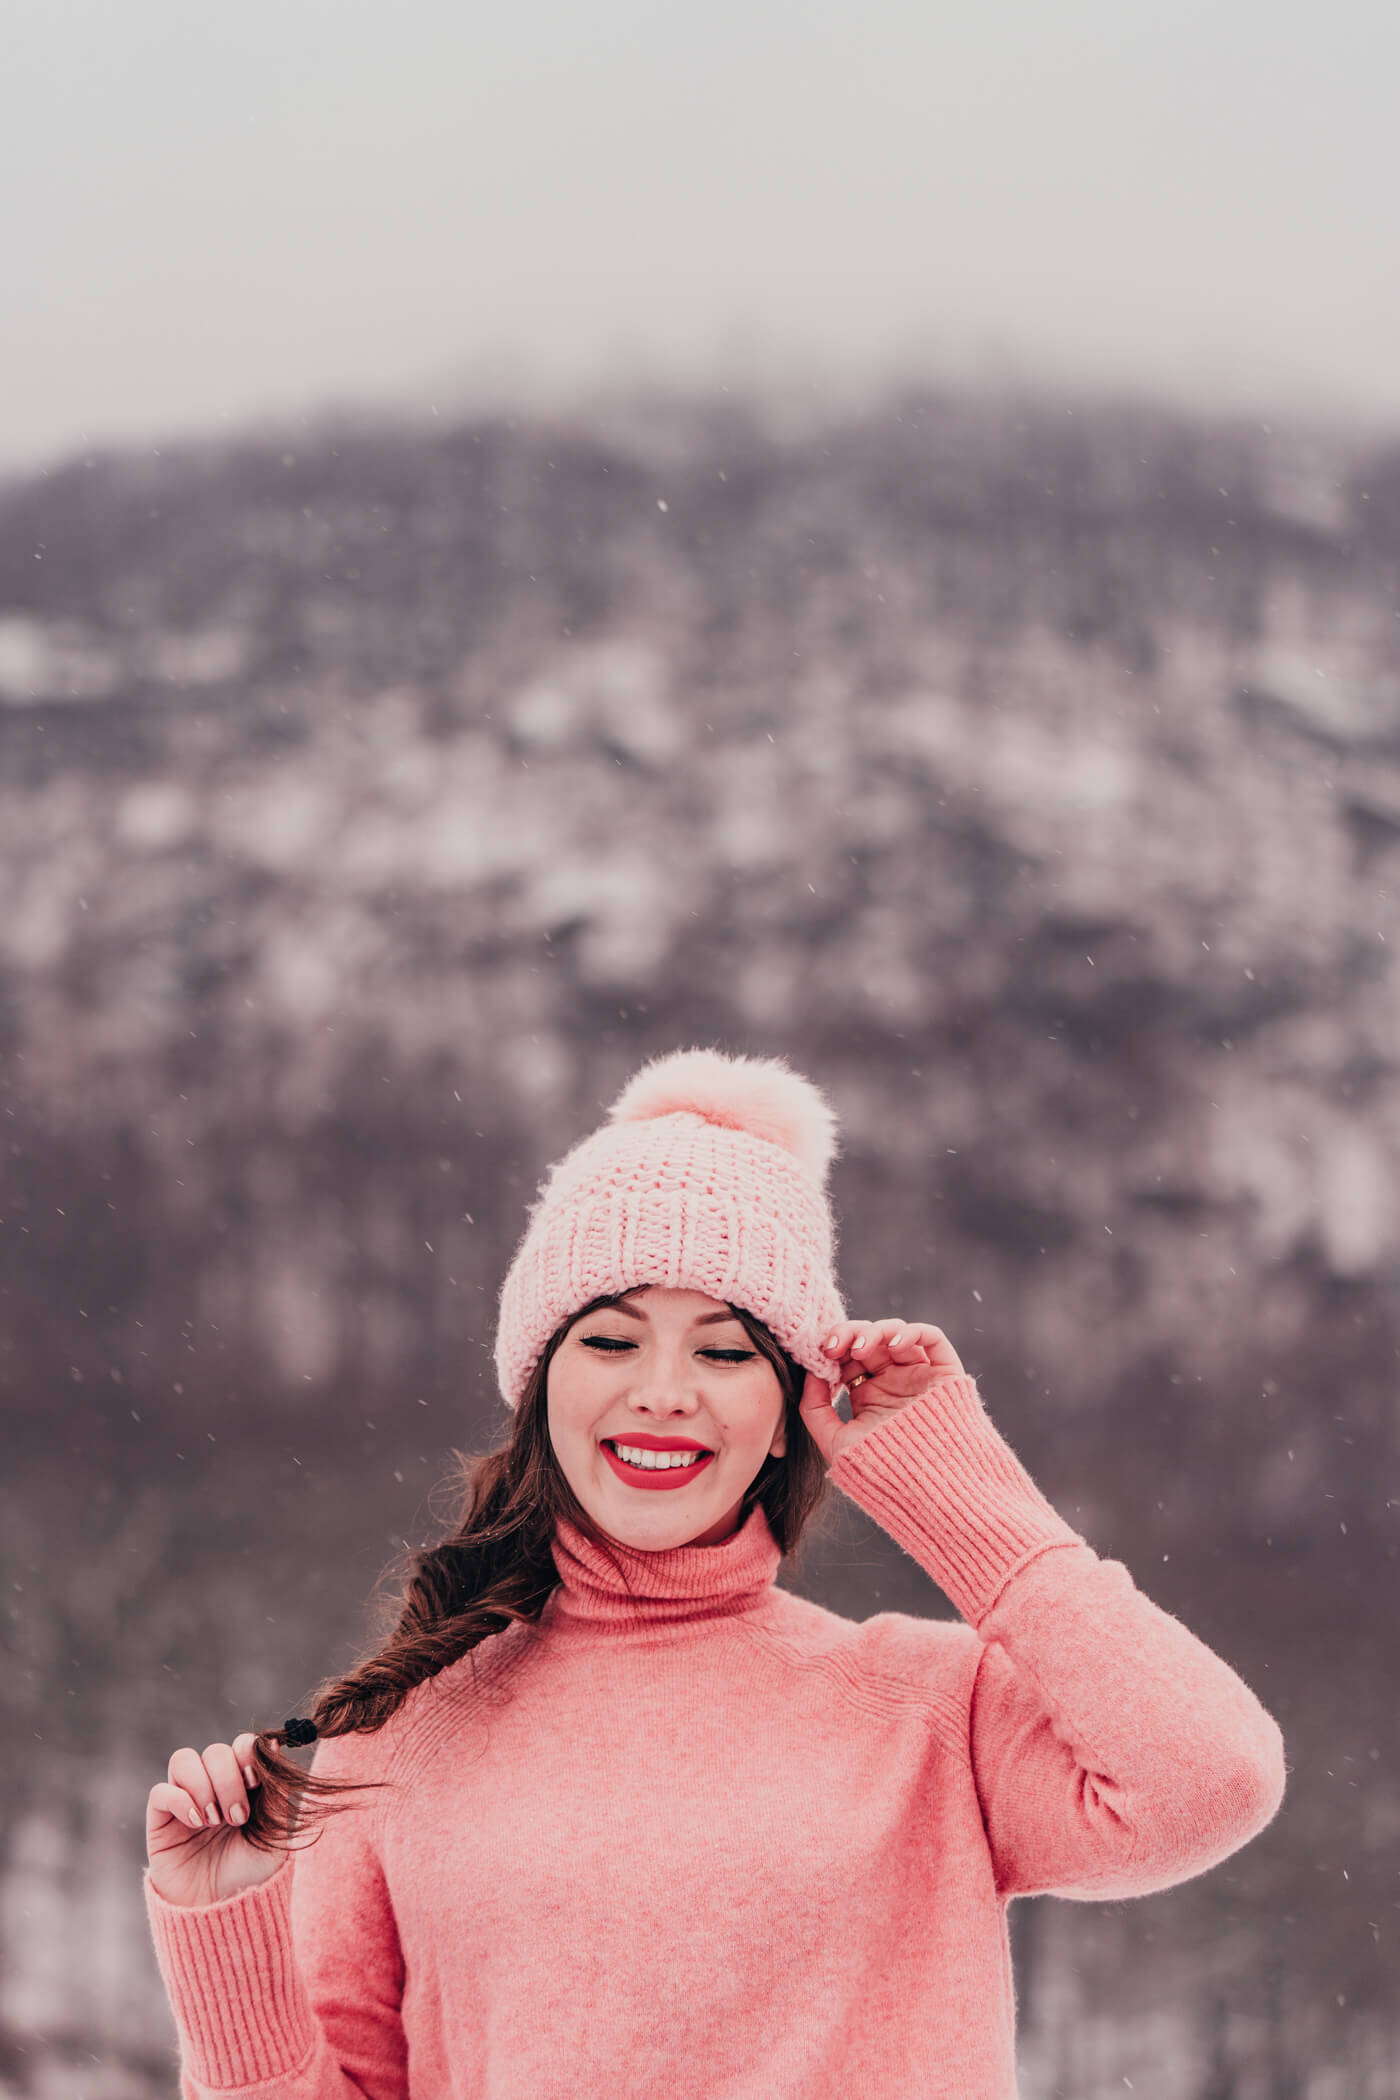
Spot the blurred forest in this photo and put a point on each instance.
(373, 801)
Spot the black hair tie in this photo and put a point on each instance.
(296, 1733)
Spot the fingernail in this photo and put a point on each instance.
(896, 1341)
(237, 1814)
(858, 1343)
(250, 1775)
(196, 1819)
(831, 1341)
(211, 1814)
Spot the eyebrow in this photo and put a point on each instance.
(635, 1312)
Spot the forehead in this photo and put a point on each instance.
(659, 1302)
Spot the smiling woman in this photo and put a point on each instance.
(601, 1726)
(663, 1389)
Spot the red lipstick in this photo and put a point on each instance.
(658, 1476)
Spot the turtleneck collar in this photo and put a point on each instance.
(624, 1587)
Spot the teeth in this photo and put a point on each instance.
(656, 1461)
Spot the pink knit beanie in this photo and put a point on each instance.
(709, 1175)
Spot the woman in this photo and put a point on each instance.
(631, 1820)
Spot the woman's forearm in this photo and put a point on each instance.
(1114, 1751)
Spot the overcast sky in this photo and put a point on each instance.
(217, 214)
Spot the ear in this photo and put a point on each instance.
(778, 1447)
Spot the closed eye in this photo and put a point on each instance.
(609, 1345)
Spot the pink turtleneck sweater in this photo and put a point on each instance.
(710, 1841)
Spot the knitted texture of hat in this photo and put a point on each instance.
(709, 1175)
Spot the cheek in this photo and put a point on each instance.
(570, 1411)
(752, 1425)
(575, 1453)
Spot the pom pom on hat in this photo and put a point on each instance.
(760, 1095)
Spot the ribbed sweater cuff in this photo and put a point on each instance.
(944, 1483)
(233, 1983)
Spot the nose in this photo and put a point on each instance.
(666, 1388)
(661, 1410)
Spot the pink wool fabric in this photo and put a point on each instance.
(710, 1841)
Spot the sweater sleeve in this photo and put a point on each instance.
(1113, 1752)
(291, 1990)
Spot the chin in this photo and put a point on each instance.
(658, 1523)
(663, 1529)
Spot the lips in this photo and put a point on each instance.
(658, 1476)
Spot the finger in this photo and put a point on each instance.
(839, 1346)
(166, 1803)
(186, 1769)
(936, 1346)
(850, 1341)
(895, 1382)
(923, 1333)
(869, 1349)
(245, 1749)
(818, 1410)
(818, 1395)
(222, 1766)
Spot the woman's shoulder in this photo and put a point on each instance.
(431, 1710)
(892, 1655)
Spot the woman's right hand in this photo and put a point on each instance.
(193, 1845)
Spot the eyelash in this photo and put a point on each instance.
(608, 1345)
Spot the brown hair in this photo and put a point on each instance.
(496, 1566)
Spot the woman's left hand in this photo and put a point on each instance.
(891, 1362)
